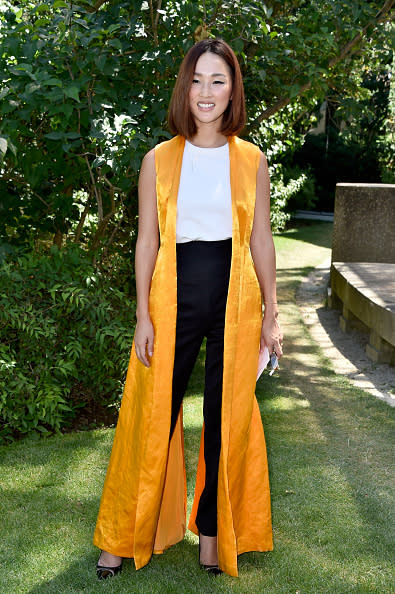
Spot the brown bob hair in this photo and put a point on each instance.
(180, 118)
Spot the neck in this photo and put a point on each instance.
(208, 137)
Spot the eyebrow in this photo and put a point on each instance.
(215, 74)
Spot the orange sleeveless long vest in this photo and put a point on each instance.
(143, 506)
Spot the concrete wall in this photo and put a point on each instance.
(364, 226)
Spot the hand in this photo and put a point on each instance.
(144, 340)
(271, 335)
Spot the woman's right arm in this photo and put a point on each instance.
(147, 246)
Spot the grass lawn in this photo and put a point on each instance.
(330, 456)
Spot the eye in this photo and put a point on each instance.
(219, 82)
(194, 81)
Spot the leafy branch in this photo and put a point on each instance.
(348, 49)
(155, 20)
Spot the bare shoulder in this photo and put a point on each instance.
(148, 161)
(262, 158)
(263, 166)
(147, 170)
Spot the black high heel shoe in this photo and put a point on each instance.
(104, 572)
(211, 569)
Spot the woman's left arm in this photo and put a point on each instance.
(264, 257)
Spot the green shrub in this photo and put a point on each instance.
(305, 196)
(282, 191)
(65, 336)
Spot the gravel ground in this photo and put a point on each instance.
(345, 350)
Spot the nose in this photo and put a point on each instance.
(205, 89)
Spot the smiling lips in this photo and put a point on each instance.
(205, 106)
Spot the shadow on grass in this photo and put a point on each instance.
(330, 520)
(384, 377)
(329, 450)
(51, 521)
(167, 573)
(287, 281)
(317, 233)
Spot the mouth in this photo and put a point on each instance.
(205, 106)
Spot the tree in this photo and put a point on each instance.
(85, 89)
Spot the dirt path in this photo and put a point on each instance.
(345, 350)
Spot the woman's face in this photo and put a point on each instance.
(211, 89)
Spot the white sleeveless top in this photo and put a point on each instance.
(204, 205)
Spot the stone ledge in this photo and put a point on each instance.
(345, 351)
(367, 293)
(364, 226)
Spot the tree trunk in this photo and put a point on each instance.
(58, 238)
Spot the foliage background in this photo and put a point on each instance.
(84, 93)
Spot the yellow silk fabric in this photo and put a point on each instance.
(143, 506)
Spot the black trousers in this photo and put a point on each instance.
(203, 269)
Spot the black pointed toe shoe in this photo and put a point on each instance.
(211, 569)
(104, 572)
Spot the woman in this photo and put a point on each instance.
(204, 199)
